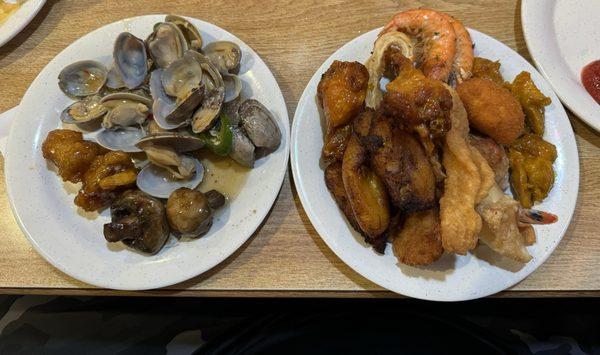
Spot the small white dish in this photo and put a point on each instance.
(19, 19)
(563, 37)
(452, 278)
(73, 241)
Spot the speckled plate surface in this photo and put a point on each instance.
(43, 204)
(452, 278)
(19, 19)
(563, 37)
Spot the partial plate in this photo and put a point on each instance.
(452, 278)
(18, 20)
(73, 242)
(563, 37)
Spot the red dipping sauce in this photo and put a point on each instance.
(590, 77)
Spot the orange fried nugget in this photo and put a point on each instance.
(492, 109)
(71, 154)
(418, 241)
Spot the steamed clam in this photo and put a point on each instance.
(166, 43)
(83, 111)
(83, 78)
(259, 125)
(131, 61)
(225, 55)
(189, 31)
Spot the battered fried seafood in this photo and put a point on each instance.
(486, 69)
(106, 177)
(532, 176)
(366, 193)
(492, 110)
(341, 94)
(418, 241)
(436, 35)
(495, 156)
(71, 154)
(460, 223)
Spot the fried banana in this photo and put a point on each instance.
(366, 192)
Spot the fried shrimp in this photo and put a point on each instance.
(460, 223)
(436, 34)
(462, 66)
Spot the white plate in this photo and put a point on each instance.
(451, 278)
(74, 244)
(563, 37)
(19, 19)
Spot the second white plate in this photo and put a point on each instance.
(452, 278)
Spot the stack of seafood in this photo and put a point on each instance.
(163, 100)
(424, 164)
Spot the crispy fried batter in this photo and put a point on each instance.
(362, 123)
(335, 143)
(418, 241)
(501, 230)
(71, 154)
(399, 160)
(495, 155)
(492, 109)
(486, 174)
(106, 175)
(366, 192)
(341, 94)
(415, 99)
(460, 223)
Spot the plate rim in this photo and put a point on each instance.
(187, 276)
(570, 102)
(315, 221)
(18, 26)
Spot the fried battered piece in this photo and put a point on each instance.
(106, 176)
(335, 185)
(399, 160)
(486, 174)
(486, 69)
(460, 223)
(362, 123)
(71, 154)
(418, 242)
(366, 192)
(501, 230)
(415, 99)
(341, 94)
(492, 110)
(532, 100)
(495, 156)
(335, 143)
(532, 175)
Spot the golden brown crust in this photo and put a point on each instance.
(492, 110)
(418, 242)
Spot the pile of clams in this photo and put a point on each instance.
(166, 97)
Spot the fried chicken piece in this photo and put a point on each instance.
(102, 182)
(335, 143)
(495, 155)
(365, 190)
(492, 110)
(362, 123)
(418, 242)
(415, 99)
(335, 185)
(71, 154)
(460, 223)
(399, 160)
(341, 94)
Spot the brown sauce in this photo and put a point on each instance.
(222, 174)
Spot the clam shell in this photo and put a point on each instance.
(131, 61)
(159, 182)
(259, 125)
(123, 139)
(181, 143)
(166, 44)
(83, 111)
(233, 87)
(83, 78)
(225, 55)
(189, 31)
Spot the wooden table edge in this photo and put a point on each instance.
(274, 293)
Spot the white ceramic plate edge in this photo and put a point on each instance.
(355, 264)
(19, 20)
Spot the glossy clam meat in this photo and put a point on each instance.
(166, 44)
(83, 78)
(225, 55)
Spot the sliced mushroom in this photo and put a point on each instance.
(259, 125)
(131, 61)
(82, 78)
(225, 55)
(139, 221)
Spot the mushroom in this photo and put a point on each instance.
(190, 212)
(139, 221)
